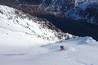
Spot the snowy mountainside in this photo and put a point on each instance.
(77, 51)
(16, 21)
(25, 39)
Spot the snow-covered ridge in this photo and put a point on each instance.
(17, 21)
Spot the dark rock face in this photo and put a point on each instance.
(87, 12)
(34, 2)
(49, 3)
(8, 2)
(54, 7)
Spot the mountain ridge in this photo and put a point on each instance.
(16, 20)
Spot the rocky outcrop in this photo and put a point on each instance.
(40, 7)
(86, 11)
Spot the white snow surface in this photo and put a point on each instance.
(77, 51)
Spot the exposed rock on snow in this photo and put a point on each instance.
(17, 21)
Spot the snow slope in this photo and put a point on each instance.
(16, 21)
(78, 51)
(19, 30)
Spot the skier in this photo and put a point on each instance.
(61, 47)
